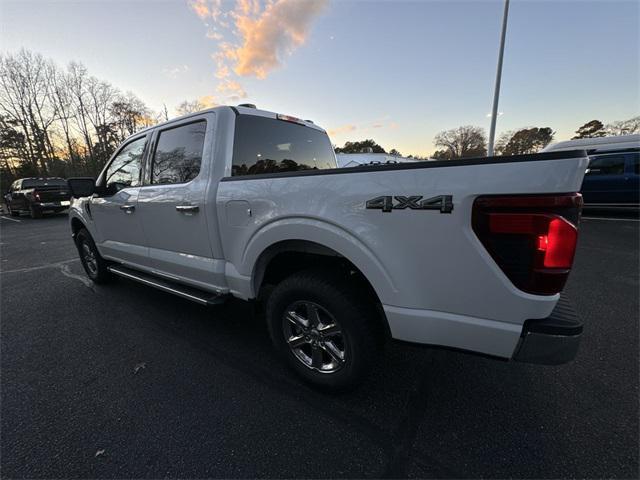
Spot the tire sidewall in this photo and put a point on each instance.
(304, 287)
(101, 274)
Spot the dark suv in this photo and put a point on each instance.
(37, 195)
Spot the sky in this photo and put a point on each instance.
(395, 71)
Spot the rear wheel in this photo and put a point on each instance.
(324, 328)
(94, 265)
(35, 212)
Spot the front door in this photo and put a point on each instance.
(172, 206)
(120, 234)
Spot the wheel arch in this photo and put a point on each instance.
(316, 236)
(76, 226)
(286, 257)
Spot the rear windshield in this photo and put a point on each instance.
(267, 145)
(44, 182)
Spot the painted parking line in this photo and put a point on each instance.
(12, 219)
(40, 267)
(612, 219)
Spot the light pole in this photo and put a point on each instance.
(496, 92)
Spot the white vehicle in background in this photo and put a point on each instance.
(358, 159)
(233, 201)
(612, 179)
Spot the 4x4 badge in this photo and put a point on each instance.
(444, 203)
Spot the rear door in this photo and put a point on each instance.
(172, 206)
(120, 234)
(604, 181)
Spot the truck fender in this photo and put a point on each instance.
(323, 234)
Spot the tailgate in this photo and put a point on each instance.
(49, 194)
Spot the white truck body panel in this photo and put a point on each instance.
(436, 282)
(423, 265)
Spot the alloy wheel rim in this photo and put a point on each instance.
(314, 337)
(89, 259)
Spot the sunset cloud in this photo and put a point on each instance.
(266, 37)
(361, 127)
(253, 37)
(231, 90)
(206, 9)
(342, 129)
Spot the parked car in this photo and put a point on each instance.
(37, 196)
(612, 178)
(238, 202)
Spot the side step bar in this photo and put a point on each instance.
(184, 291)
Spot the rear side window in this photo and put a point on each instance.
(178, 155)
(607, 165)
(267, 145)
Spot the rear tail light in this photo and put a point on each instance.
(532, 238)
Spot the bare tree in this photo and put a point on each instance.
(624, 127)
(25, 99)
(461, 142)
(165, 112)
(55, 121)
(77, 80)
(191, 106)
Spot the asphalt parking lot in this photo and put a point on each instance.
(125, 381)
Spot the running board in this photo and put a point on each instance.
(190, 293)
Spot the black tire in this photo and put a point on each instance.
(35, 212)
(338, 299)
(94, 265)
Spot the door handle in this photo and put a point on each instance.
(127, 208)
(187, 208)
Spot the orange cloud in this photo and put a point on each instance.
(362, 127)
(206, 9)
(282, 27)
(342, 129)
(231, 89)
(258, 36)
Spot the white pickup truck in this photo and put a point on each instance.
(234, 201)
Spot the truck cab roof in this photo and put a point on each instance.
(238, 110)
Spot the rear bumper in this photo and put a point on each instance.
(549, 341)
(553, 340)
(50, 205)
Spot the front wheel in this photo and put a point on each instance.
(94, 265)
(323, 327)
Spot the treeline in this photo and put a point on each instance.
(471, 141)
(57, 121)
(61, 121)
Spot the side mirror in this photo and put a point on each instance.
(81, 186)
